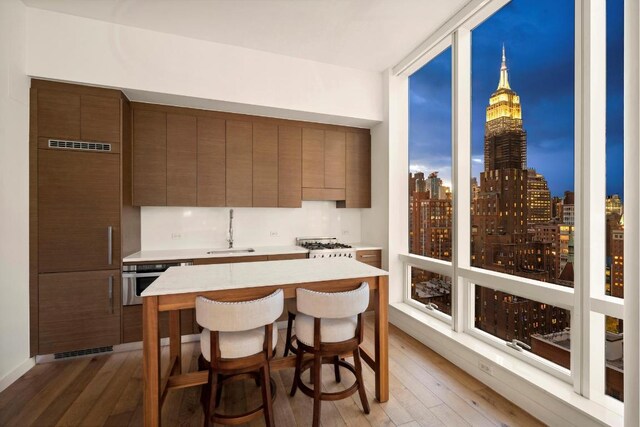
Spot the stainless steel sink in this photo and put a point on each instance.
(230, 251)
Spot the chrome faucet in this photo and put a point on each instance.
(230, 239)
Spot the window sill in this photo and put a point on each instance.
(546, 397)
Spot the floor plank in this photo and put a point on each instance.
(106, 390)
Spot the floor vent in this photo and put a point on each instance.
(77, 353)
(79, 145)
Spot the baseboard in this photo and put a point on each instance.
(548, 398)
(16, 373)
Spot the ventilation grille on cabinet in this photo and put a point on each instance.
(78, 145)
(76, 353)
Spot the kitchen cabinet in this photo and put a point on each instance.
(149, 158)
(80, 202)
(211, 166)
(79, 310)
(265, 165)
(239, 171)
(334, 159)
(312, 158)
(78, 210)
(289, 167)
(78, 117)
(323, 164)
(358, 176)
(372, 257)
(182, 148)
(283, 257)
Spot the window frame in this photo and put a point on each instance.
(587, 302)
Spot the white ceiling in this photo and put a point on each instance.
(364, 34)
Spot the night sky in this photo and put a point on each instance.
(539, 40)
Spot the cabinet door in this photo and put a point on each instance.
(78, 310)
(265, 165)
(58, 114)
(334, 159)
(211, 162)
(181, 160)
(100, 119)
(78, 210)
(230, 260)
(239, 180)
(289, 167)
(312, 158)
(358, 183)
(149, 158)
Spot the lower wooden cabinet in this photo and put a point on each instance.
(229, 260)
(373, 257)
(78, 310)
(132, 323)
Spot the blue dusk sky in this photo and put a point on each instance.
(539, 40)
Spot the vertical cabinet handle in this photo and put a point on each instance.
(110, 245)
(111, 293)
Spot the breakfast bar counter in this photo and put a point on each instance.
(178, 288)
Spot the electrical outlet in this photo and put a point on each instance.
(485, 367)
(274, 234)
(345, 232)
(176, 236)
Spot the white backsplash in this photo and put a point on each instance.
(185, 228)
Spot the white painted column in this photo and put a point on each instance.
(632, 212)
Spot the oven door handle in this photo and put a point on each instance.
(135, 275)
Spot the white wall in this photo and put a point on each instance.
(185, 228)
(71, 48)
(14, 193)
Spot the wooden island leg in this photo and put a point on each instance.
(382, 339)
(151, 361)
(175, 342)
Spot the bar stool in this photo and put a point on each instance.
(328, 325)
(237, 342)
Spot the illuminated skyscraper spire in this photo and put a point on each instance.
(504, 75)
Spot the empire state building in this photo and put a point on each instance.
(499, 222)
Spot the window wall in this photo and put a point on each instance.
(533, 170)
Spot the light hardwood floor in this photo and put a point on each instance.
(106, 390)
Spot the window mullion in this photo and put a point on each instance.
(461, 174)
(588, 344)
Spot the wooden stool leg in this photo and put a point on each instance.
(287, 345)
(361, 390)
(210, 406)
(219, 391)
(336, 368)
(296, 375)
(317, 389)
(265, 376)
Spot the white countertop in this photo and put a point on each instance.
(364, 247)
(203, 278)
(189, 254)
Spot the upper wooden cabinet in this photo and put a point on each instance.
(358, 178)
(239, 182)
(289, 167)
(312, 158)
(211, 187)
(323, 164)
(182, 148)
(149, 158)
(188, 157)
(78, 211)
(265, 165)
(334, 159)
(78, 117)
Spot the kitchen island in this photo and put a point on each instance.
(178, 288)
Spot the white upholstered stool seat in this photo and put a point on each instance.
(237, 341)
(234, 345)
(331, 330)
